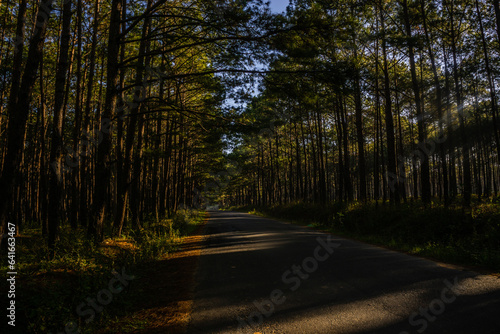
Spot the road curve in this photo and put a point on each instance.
(259, 275)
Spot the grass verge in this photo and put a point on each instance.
(161, 299)
(86, 286)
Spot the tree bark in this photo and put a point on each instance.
(467, 187)
(56, 171)
(102, 170)
(422, 136)
(359, 133)
(491, 81)
(439, 104)
(496, 6)
(392, 175)
(20, 109)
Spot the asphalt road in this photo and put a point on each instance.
(259, 275)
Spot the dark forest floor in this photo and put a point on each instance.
(161, 299)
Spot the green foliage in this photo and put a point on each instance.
(49, 290)
(158, 238)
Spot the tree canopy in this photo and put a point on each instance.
(113, 112)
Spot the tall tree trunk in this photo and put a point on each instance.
(321, 167)
(121, 179)
(102, 170)
(467, 180)
(496, 6)
(18, 57)
(134, 117)
(451, 151)
(376, 174)
(56, 177)
(491, 81)
(422, 136)
(401, 165)
(392, 172)
(439, 104)
(77, 129)
(347, 168)
(43, 194)
(19, 111)
(340, 140)
(359, 134)
(85, 171)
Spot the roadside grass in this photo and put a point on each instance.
(49, 291)
(463, 237)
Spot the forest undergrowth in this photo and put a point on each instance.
(86, 284)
